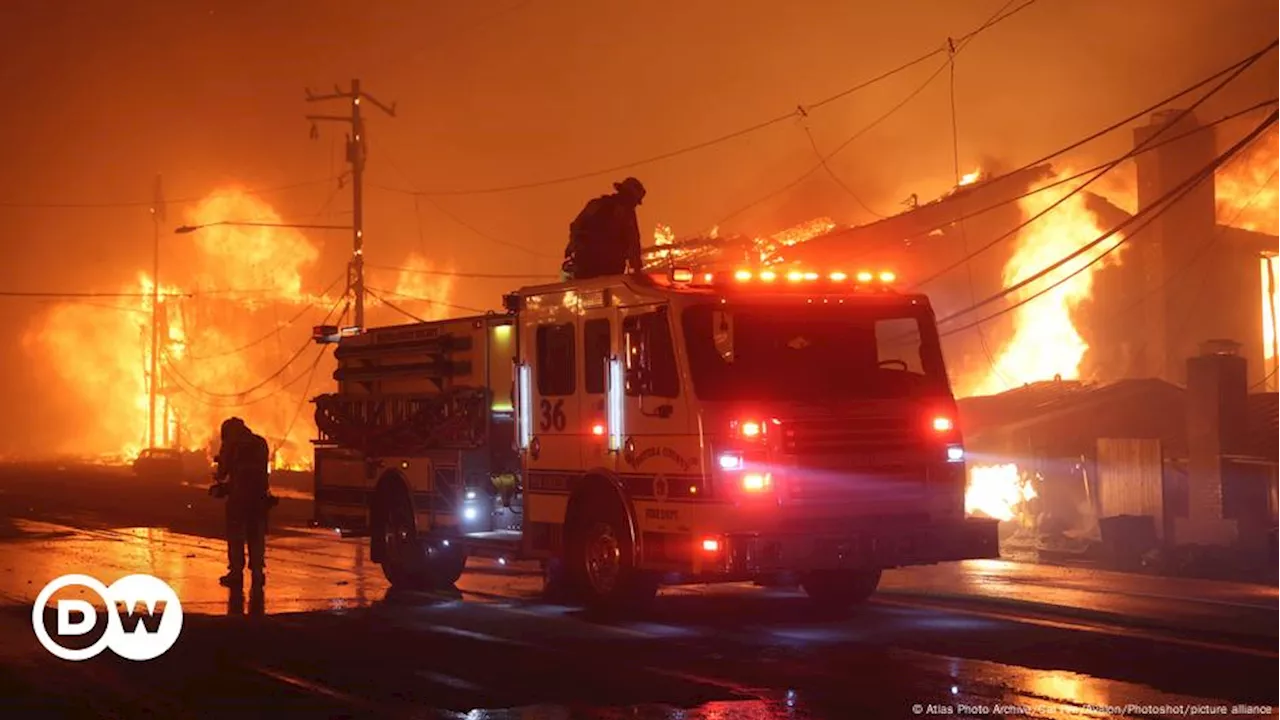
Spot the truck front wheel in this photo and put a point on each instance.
(408, 562)
(839, 590)
(601, 559)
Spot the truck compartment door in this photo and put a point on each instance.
(341, 490)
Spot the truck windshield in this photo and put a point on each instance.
(812, 354)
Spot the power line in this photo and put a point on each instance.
(1039, 161)
(1145, 217)
(1204, 127)
(428, 300)
(104, 306)
(1217, 236)
(482, 234)
(824, 158)
(1076, 176)
(146, 203)
(20, 294)
(1193, 262)
(357, 151)
(800, 111)
(968, 257)
(240, 394)
(459, 274)
(1158, 207)
(302, 399)
(393, 306)
(238, 404)
(417, 214)
(964, 235)
(836, 178)
(275, 332)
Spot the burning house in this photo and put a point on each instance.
(1083, 405)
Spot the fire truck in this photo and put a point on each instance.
(775, 426)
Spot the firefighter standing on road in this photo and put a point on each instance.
(242, 479)
(605, 237)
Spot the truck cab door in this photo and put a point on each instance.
(601, 389)
(660, 454)
(553, 419)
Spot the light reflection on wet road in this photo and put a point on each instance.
(337, 642)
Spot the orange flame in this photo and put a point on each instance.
(242, 283)
(1248, 197)
(770, 247)
(663, 235)
(1045, 343)
(997, 491)
(1246, 190)
(424, 289)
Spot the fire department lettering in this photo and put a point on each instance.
(661, 514)
(666, 452)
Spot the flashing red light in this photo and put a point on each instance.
(597, 429)
(711, 545)
(865, 276)
(751, 429)
(887, 276)
(943, 424)
(742, 275)
(768, 275)
(757, 482)
(682, 275)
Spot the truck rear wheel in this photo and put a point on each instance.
(600, 558)
(839, 590)
(408, 561)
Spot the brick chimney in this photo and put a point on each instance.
(1169, 242)
(1217, 427)
(1190, 293)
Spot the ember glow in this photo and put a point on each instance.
(1045, 343)
(223, 343)
(663, 235)
(997, 491)
(771, 247)
(970, 178)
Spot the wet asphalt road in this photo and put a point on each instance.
(327, 638)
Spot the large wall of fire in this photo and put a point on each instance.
(237, 307)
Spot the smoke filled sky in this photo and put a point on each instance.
(101, 96)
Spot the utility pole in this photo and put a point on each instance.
(157, 216)
(357, 153)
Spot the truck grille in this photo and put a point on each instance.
(875, 460)
(867, 433)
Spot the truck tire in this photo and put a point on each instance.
(600, 558)
(557, 585)
(408, 561)
(839, 590)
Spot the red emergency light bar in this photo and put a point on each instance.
(786, 277)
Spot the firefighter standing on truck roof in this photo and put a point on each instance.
(242, 479)
(605, 237)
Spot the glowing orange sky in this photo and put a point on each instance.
(101, 99)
